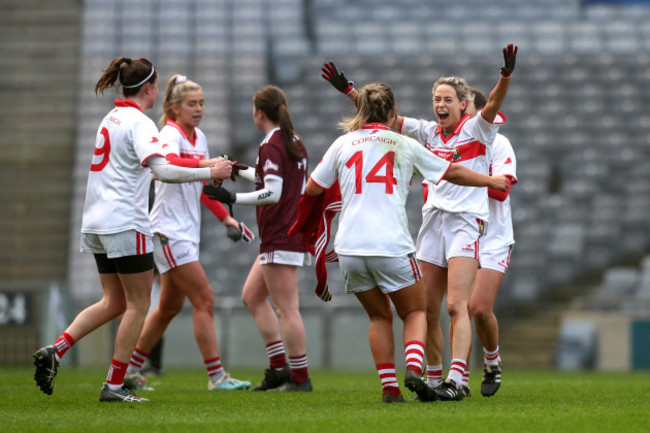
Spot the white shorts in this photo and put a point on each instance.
(445, 235)
(171, 253)
(114, 245)
(390, 274)
(280, 257)
(497, 260)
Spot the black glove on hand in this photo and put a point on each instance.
(509, 58)
(236, 168)
(336, 78)
(220, 194)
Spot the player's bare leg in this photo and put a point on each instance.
(112, 304)
(255, 297)
(461, 275)
(137, 290)
(482, 301)
(410, 304)
(381, 339)
(434, 279)
(282, 284)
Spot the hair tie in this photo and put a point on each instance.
(141, 82)
(180, 79)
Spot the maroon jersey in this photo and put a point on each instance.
(275, 220)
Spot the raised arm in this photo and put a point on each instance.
(340, 82)
(498, 94)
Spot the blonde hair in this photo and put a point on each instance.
(459, 84)
(374, 102)
(177, 87)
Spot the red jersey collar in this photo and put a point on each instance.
(182, 131)
(376, 126)
(122, 103)
(457, 129)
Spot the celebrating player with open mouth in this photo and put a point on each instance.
(374, 166)
(454, 217)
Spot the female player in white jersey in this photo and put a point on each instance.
(495, 255)
(176, 223)
(454, 218)
(115, 225)
(374, 166)
(280, 176)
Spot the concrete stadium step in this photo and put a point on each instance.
(40, 48)
(34, 12)
(529, 342)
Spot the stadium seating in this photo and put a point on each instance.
(575, 108)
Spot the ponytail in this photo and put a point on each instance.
(374, 102)
(177, 86)
(273, 103)
(130, 74)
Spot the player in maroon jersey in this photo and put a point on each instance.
(280, 177)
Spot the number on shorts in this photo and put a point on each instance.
(387, 179)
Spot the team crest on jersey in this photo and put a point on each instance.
(164, 240)
(456, 156)
(270, 165)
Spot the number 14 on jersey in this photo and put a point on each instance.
(387, 178)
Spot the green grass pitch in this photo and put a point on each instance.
(342, 401)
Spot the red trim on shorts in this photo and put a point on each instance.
(415, 268)
(140, 244)
(167, 251)
(506, 265)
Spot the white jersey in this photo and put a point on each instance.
(374, 167)
(500, 233)
(176, 212)
(467, 145)
(117, 197)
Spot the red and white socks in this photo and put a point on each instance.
(414, 351)
(388, 379)
(137, 361)
(457, 370)
(465, 381)
(434, 375)
(116, 373)
(299, 368)
(214, 368)
(491, 357)
(62, 345)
